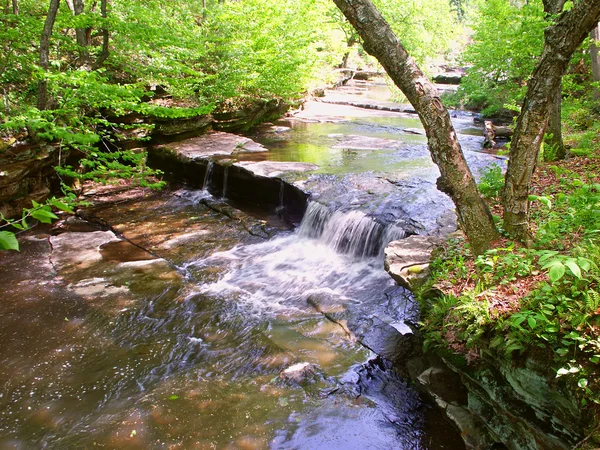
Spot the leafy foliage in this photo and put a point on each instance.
(541, 301)
(507, 41)
(492, 181)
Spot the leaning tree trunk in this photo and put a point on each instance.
(561, 40)
(456, 179)
(42, 97)
(595, 54)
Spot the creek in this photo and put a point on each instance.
(179, 340)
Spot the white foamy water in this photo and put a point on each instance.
(328, 256)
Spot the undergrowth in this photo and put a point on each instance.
(541, 302)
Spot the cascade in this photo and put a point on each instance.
(281, 193)
(207, 175)
(225, 173)
(351, 232)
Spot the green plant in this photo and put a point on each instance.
(40, 212)
(492, 181)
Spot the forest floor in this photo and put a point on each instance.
(541, 302)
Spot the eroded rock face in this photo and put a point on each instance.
(258, 185)
(27, 173)
(499, 403)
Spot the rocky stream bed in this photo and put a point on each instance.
(247, 305)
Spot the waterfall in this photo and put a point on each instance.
(225, 172)
(281, 193)
(207, 175)
(351, 232)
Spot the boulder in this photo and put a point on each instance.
(407, 260)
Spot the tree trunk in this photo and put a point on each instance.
(456, 179)
(554, 138)
(15, 7)
(105, 37)
(42, 98)
(81, 34)
(595, 54)
(553, 144)
(561, 40)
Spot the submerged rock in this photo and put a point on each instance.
(299, 373)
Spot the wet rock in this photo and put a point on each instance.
(250, 185)
(327, 302)
(276, 168)
(300, 373)
(395, 343)
(211, 144)
(78, 251)
(407, 260)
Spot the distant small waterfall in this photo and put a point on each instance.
(225, 173)
(281, 193)
(207, 175)
(351, 232)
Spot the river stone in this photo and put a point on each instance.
(299, 373)
(407, 260)
(216, 143)
(78, 251)
(272, 169)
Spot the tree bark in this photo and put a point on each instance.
(81, 34)
(554, 145)
(15, 7)
(42, 97)
(105, 37)
(456, 179)
(554, 138)
(561, 40)
(595, 54)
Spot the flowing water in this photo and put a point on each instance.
(122, 352)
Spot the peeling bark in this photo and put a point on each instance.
(561, 40)
(456, 179)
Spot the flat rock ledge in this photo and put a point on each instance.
(407, 261)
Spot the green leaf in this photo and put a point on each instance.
(531, 322)
(43, 215)
(557, 270)
(562, 371)
(62, 206)
(8, 241)
(573, 267)
(562, 351)
(173, 397)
